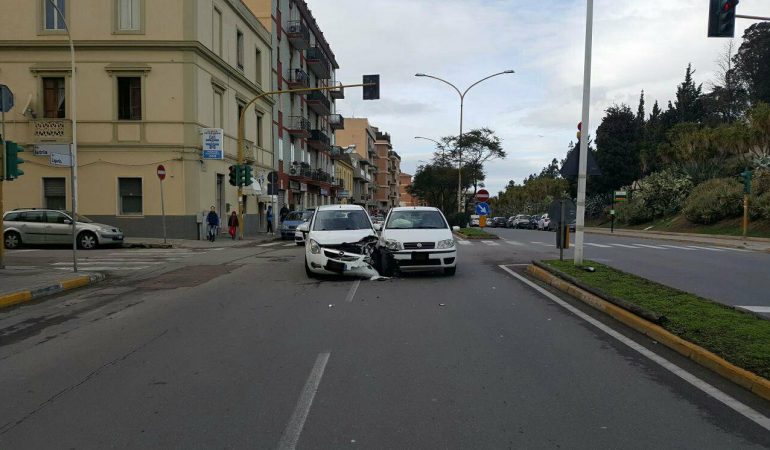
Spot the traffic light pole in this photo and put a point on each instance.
(241, 127)
(2, 182)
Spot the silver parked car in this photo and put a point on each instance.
(49, 226)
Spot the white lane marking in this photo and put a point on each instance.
(706, 248)
(104, 268)
(22, 251)
(293, 429)
(679, 247)
(624, 246)
(598, 245)
(741, 408)
(514, 242)
(216, 249)
(268, 244)
(757, 309)
(656, 247)
(289, 245)
(352, 292)
(462, 242)
(491, 243)
(541, 243)
(91, 263)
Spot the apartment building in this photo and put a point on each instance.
(359, 134)
(406, 199)
(388, 172)
(304, 123)
(151, 75)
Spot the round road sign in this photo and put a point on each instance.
(161, 172)
(482, 195)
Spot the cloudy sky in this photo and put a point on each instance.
(534, 111)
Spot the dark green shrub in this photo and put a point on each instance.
(714, 200)
(633, 212)
(458, 219)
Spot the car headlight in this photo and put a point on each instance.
(446, 243)
(393, 245)
(314, 247)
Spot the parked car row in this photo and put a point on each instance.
(522, 221)
(34, 226)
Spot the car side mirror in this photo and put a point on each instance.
(67, 221)
(455, 228)
(304, 227)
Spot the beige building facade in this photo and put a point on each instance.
(360, 133)
(151, 75)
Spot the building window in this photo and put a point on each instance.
(129, 98)
(55, 193)
(239, 48)
(129, 15)
(217, 109)
(217, 32)
(53, 98)
(52, 19)
(239, 112)
(259, 130)
(258, 67)
(130, 196)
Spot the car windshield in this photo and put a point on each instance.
(296, 215)
(411, 220)
(335, 219)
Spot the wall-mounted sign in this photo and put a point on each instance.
(303, 187)
(213, 143)
(47, 149)
(324, 192)
(343, 194)
(61, 160)
(294, 185)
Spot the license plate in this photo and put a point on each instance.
(334, 266)
(419, 256)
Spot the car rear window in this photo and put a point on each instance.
(410, 220)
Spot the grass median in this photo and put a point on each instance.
(475, 233)
(737, 336)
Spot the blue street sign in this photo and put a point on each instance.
(6, 98)
(482, 209)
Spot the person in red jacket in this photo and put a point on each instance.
(232, 222)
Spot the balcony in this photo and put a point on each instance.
(298, 126)
(298, 79)
(336, 122)
(318, 140)
(359, 174)
(338, 92)
(50, 130)
(318, 62)
(318, 102)
(298, 34)
(298, 169)
(337, 152)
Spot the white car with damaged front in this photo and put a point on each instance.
(340, 241)
(419, 239)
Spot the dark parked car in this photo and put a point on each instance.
(500, 222)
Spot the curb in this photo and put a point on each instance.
(748, 380)
(146, 245)
(14, 298)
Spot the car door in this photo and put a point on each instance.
(57, 230)
(32, 227)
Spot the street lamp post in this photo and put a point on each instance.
(74, 146)
(462, 101)
(438, 144)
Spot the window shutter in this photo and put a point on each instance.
(54, 187)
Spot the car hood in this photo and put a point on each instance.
(433, 235)
(340, 236)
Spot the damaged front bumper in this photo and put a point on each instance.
(334, 261)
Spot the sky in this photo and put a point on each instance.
(534, 111)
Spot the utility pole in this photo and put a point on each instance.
(582, 166)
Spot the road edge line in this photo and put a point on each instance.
(742, 377)
(18, 297)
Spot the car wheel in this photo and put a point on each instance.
(308, 272)
(87, 240)
(12, 240)
(450, 271)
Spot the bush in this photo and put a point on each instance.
(458, 219)
(714, 200)
(597, 204)
(664, 192)
(633, 212)
(760, 183)
(759, 206)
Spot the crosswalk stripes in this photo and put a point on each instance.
(706, 248)
(598, 245)
(542, 243)
(462, 242)
(607, 245)
(289, 245)
(128, 260)
(491, 243)
(513, 243)
(650, 246)
(679, 247)
(268, 244)
(624, 245)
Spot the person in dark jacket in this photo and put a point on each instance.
(232, 224)
(269, 219)
(284, 212)
(212, 220)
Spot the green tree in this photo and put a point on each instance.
(752, 62)
(687, 107)
(728, 98)
(617, 149)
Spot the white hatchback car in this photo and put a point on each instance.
(419, 238)
(340, 241)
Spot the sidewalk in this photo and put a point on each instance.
(21, 284)
(222, 241)
(750, 243)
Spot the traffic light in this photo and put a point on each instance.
(746, 175)
(248, 175)
(233, 179)
(372, 92)
(12, 160)
(722, 18)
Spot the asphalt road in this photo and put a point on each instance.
(238, 349)
(732, 276)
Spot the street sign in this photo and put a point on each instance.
(47, 149)
(161, 172)
(213, 143)
(483, 209)
(61, 160)
(621, 196)
(482, 195)
(554, 211)
(6, 99)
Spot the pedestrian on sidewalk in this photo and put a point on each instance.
(212, 220)
(233, 224)
(270, 219)
(284, 212)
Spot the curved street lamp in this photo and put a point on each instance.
(462, 101)
(438, 144)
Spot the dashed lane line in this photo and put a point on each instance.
(491, 243)
(291, 434)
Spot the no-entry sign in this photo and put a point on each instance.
(161, 172)
(482, 195)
